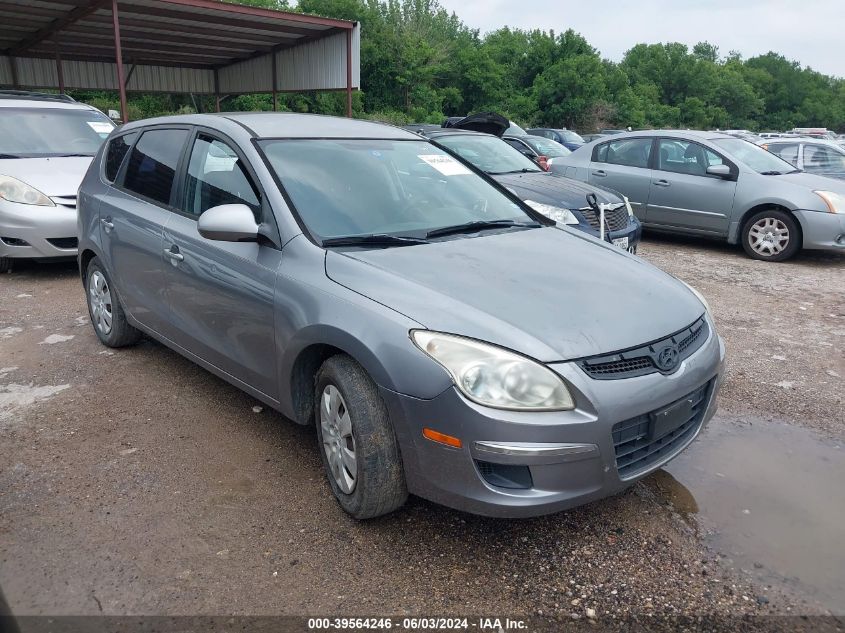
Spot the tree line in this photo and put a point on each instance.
(420, 63)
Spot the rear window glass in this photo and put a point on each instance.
(152, 164)
(116, 152)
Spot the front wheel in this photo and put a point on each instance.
(357, 443)
(771, 235)
(5, 264)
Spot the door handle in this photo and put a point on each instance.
(662, 183)
(108, 225)
(600, 172)
(175, 256)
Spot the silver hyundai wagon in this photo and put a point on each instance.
(445, 339)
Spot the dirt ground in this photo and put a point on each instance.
(134, 482)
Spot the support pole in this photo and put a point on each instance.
(275, 82)
(349, 73)
(118, 56)
(14, 66)
(60, 73)
(217, 90)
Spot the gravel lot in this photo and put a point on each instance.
(134, 482)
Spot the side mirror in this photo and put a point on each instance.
(228, 223)
(722, 171)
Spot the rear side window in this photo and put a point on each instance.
(631, 152)
(116, 152)
(152, 164)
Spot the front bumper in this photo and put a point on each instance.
(32, 232)
(633, 232)
(822, 231)
(570, 455)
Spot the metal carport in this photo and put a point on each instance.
(186, 46)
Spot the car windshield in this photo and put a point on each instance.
(371, 187)
(570, 137)
(488, 153)
(44, 132)
(754, 156)
(548, 147)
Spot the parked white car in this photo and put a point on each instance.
(47, 142)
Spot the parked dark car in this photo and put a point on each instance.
(561, 199)
(569, 139)
(541, 150)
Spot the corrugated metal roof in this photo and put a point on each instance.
(172, 46)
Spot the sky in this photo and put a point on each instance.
(808, 31)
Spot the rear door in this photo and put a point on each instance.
(624, 165)
(132, 220)
(683, 195)
(221, 294)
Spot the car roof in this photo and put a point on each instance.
(681, 134)
(43, 104)
(288, 125)
(806, 140)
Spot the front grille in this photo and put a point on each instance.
(615, 219)
(68, 202)
(639, 361)
(637, 448)
(64, 242)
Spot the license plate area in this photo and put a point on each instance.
(667, 420)
(621, 242)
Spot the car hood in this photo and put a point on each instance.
(811, 181)
(550, 293)
(58, 176)
(550, 188)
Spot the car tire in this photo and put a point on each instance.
(354, 433)
(5, 264)
(107, 315)
(771, 235)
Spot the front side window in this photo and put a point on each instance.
(216, 175)
(357, 187)
(52, 132)
(754, 156)
(569, 136)
(786, 151)
(631, 152)
(152, 164)
(116, 152)
(685, 157)
(488, 153)
(517, 145)
(821, 158)
(549, 148)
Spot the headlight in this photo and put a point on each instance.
(835, 201)
(699, 295)
(554, 213)
(628, 206)
(495, 377)
(14, 190)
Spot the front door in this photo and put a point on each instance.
(683, 195)
(221, 294)
(132, 220)
(623, 165)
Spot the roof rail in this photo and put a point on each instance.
(35, 96)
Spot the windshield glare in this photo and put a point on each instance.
(488, 153)
(40, 132)
(343, 187)
(754, 156)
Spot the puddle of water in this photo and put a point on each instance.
(771, 497)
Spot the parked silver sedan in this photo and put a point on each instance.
(813, 155)
(712, 184)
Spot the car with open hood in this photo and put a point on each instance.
(47, 142)
(442, 337)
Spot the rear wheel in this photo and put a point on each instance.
(771, 235)
(107, 315)
(357, 443)
(5, 264)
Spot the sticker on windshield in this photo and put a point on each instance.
(100, 127)
(446, 165)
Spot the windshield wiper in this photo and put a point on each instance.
(771, 173)
(479, 225)
(524, 170)
(70, 155)
(378, 239)
(10, 156)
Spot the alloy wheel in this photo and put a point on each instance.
(338, 439)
